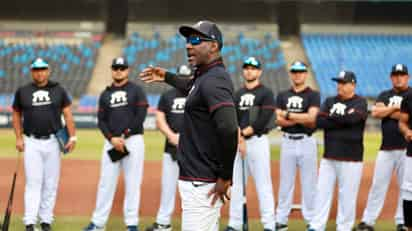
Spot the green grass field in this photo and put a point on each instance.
(90, 144)
(89, 148)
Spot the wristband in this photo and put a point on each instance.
(73, 138)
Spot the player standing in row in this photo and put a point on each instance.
(122, 110)
(169, 120)
(258, 99)
(343, 119)
(296, 110)
(208, 142)
(40, 104)
(391, 156)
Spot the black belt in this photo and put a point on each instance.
(39, 137)
(294, 137)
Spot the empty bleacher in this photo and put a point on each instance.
(71, 57)
(370, 56)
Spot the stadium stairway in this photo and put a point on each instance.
(293, 50)
(101, 77)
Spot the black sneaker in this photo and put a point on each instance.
(45, 227)
(364, 227)
(159, 227)
(30, 228)
(401, 227)
(228, 228)
(281, 227)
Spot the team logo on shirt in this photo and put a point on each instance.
(118, 99)
(395, 101)
(295, 104)
(41, 97)
(338, 109)
(178, 105)
(246, 101)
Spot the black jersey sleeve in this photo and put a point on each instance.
(182, 84)
(140, 109)
(405, 103)
(280, 102)
(17, 106)
(381, 98)
(314, 100)
(102, 120)
(217, 93)
(66, 98)
(265, 113)
(162, 105)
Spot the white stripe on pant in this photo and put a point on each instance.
(42, 171)
(133, 170)
(258, 165)
(295, 154)
(386, 163)
(197, 212)
(170, 175)
(348, 174)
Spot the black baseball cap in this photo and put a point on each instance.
(345, 77)
(399, 68)
(120, 62)
(252, 61)
(205, 28)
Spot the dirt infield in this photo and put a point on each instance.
(79, 178)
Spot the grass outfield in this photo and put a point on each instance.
(91, 142)
(116, 224)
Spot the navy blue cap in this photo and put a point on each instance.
(205, 28)
(39, 63)
(399, 68)
(252, 61)
(119, 62)
(298, 66)
(345, 77)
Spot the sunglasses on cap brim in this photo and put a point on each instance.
(196, 40)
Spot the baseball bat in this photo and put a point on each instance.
(245, 220)
(7, 214)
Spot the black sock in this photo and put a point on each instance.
(407, 213)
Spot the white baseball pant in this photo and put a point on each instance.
(406, 192)
(295, 154)
(132, 166)
(258, 165)
(386, 163)
(42, 172)
(348, 174)
(170, 175)
(197, 212)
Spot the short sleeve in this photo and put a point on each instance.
(279, 102)
(217, 92)
(405, 104)
(17, 105)
(381, 98)
(162, 105)
(314, 100)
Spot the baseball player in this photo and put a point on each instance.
(122, 110)
(343, 118)
(209, 138)
(405, 126)
(169, 119)
(257, 154)
(391, 156)
(40, 104)
(296, 108)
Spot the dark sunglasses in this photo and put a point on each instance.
(196, 40)
(119, 68)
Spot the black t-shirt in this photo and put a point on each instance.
(41, 107)
(259, 99)
(298, 102)
(343, 122)
(406, 107)
(172, 103)
(199, 146)
(122, 110)
(391, 136)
